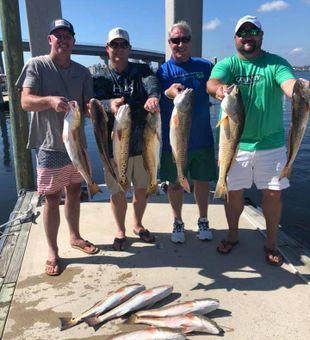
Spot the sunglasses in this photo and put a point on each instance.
(254, 32)
(177, 41)
(114, 44)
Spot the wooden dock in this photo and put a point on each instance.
(13, 242)
(257, 301)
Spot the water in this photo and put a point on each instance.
(296, 213)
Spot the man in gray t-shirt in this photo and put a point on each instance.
(47, 84)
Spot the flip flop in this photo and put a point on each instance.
(83, 245)
(270, 257)
(119, 244)
(145, 235)
(55, 265)
(228, 245)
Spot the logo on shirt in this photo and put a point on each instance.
(189, 76)
(123, 89)
(249, 80)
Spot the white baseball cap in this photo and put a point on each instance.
(248, 18)
(118, 33)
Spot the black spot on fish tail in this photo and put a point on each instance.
(67, 322)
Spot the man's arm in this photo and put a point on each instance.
(287, 87)
(216, 87)
(32, 102)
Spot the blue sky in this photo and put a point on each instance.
(285, 23)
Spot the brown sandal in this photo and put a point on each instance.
(145, 236)
(83, 245)
(228, 245)
(271, 256)
(119, 244)
(55, 265)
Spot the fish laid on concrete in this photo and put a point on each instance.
(231, 128)
(300, 117)
(199, 306)
(141, 300)
(100, 127)
(180, 125)
(112, 300)
(151, 333)
(72, 139)
(121, 139)
(187, 323)
(151, 148)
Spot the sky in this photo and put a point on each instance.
(285, 25)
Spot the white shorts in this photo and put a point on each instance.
(262, 168)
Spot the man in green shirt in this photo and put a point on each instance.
(262, 78)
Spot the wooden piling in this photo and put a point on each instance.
(13, 56)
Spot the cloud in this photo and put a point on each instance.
(212, 25)
(297, 51)
(277, 5)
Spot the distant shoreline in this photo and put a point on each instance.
(302, 68)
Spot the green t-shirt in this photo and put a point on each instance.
(259, 80)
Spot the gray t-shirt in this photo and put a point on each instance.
(47, 79)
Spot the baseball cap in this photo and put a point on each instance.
(118, 33)
(248, 18)
(61, 23)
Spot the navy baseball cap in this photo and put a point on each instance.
(61, 23)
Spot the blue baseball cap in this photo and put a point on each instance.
(61, 23)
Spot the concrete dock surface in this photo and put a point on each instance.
(257, 301)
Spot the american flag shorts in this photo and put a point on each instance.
(55, 171)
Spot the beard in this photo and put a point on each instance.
(249, 47)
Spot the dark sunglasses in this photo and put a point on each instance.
(123, 44)
(254, 32)
(177, 41)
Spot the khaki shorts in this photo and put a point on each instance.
(136, 174)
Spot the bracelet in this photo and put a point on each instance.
(167, 95)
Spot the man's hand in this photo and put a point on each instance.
(152, 105)
(59, 104)
(116, 104)
(174, 90)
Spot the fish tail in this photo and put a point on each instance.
(151, 188)
(185, 184)
(132, 319)
(93, 189)
(92, 322)
(221, 190)
(66, 323)
(285, 172)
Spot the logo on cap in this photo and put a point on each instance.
(61, 23)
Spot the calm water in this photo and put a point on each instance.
(296, 212)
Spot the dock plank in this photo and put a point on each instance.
(6, 296)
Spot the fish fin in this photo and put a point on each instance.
(67, 322)
(75, 134)
(186, 329)
(226, 127)
(222, 120)
(93, 189)
(176, 120)
(65, 137)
